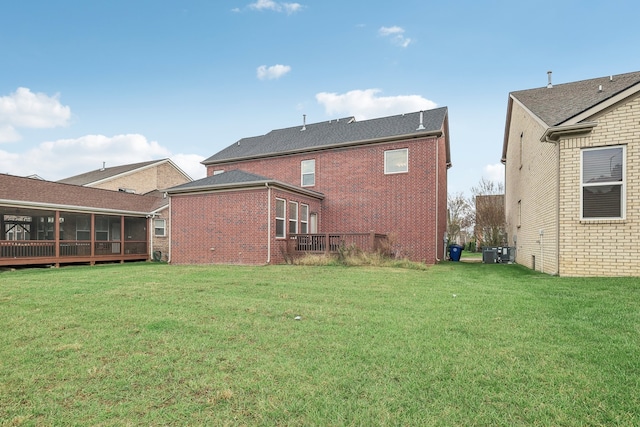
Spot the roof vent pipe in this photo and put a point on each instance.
(599, 88)
(304, 122)
(421, 127)
(549, 85)
(103, 165)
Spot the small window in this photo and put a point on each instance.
(218, 171)
(280, 218)
(293, 217)
(603, 183)
(396, 161)
(160, 227)
(304, 219)
(308, 171)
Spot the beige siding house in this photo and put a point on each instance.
(149, 178)
(572, 176)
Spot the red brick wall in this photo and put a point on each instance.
(229, 227)
(219, 228)
(359, 197)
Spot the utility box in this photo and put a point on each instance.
(489, 255)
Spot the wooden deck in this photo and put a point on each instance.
(50, 252)
(332, 242)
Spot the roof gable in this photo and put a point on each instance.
(103, 174)
(557, 104)
(333, 133)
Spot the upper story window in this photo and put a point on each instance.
(602, 182)
(281, 207)
(308, 172)
(396, 161)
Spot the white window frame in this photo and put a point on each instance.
(622, 184)
(293, 218)
(304, 218)
(101, 229)
(281, 219)
(162, 228)
(308, 168)
(83, 227)
(387, 166)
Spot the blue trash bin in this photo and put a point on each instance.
(454, 252)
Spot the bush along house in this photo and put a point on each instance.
(377, 184)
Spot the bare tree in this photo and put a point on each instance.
(488, 198)
(459, 216)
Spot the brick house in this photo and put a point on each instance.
(316, 186)
(151, 178)
(572, 199)
(49, 223)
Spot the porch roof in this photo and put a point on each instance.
(237, 179)
(20, 191)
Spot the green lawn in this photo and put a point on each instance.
(456, 344)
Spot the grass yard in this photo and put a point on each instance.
(456, 344)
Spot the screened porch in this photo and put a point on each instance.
(47, 237)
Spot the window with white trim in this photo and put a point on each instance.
(281, 207)
(304, 219)
(293, 217)
(308, 173)
(160, 227)
(396, 161)
(602, 182)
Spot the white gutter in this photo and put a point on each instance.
(68, 208)
(554, 133)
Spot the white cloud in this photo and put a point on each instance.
(287, 8)
(494, 172)
(396, 35)
(63, 158)
(273, 72)
(190, 164)
(25, 109)
(366, 104)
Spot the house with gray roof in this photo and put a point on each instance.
(572, 192)
(378, 184)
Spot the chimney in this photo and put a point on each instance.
(304, 122)
(421, 127)
(549, 85)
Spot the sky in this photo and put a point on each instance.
(87, 83)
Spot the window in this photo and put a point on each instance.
(603, 183)
(313, 222)
(293, 217)
(160, 227)
(308, 171)
(304, 219)
(396, 161)
(280, 218)
(218, 171)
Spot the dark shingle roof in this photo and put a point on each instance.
(561, 102)
(15, 189)
(100, 174)
(334, 132)
(226, 178)
(236, 179)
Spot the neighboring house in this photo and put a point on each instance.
(317, 186)
(150, 178)
(48, 223)
(572, 176)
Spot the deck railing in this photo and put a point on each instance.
(333, 242)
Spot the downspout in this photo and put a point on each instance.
(437, 203)
(558, 215)
(170, 231)
(268, 222)
(150, 227)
